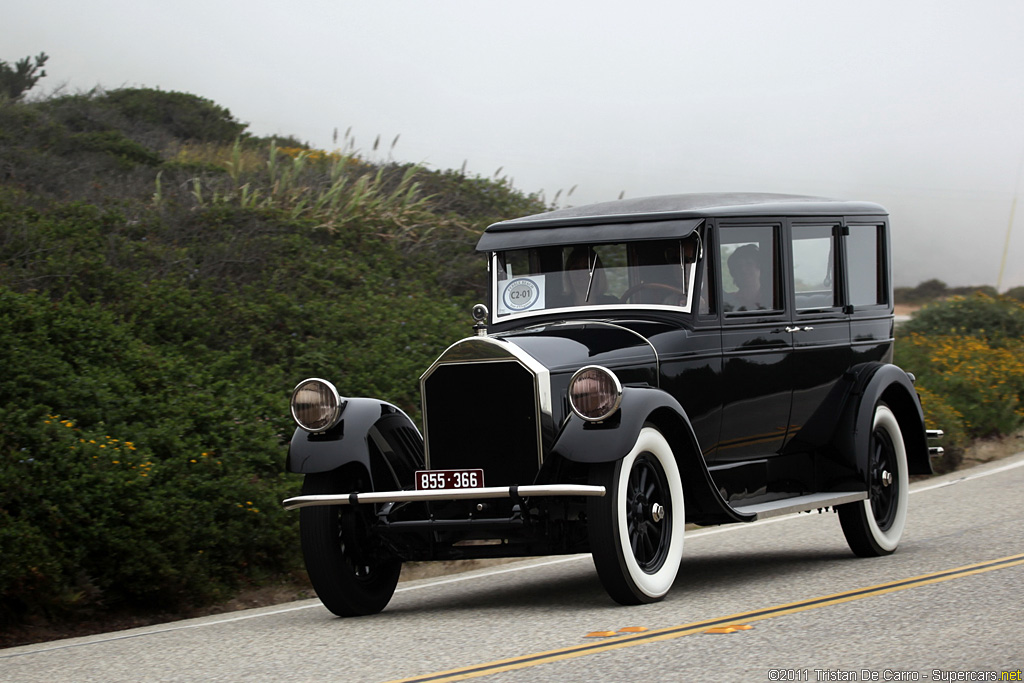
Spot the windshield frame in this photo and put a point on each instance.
(691, 254)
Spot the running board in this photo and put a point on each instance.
(814, 501)
(443, 494)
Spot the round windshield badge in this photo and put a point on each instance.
(520, 294)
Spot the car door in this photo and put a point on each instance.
(820, 326)
(756, 344)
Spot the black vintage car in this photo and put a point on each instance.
(641, 364)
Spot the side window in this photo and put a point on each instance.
(748, 260)
(866, 261)
(814, 259)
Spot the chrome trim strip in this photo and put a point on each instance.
(443, 494)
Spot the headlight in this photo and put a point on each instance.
(316, 405)
(594, 393)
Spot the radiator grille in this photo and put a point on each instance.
(483, 415)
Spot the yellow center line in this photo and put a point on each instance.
(670, 633)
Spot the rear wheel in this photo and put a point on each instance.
(636, 528)
(874, 527)
(352, 574)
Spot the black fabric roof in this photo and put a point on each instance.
(660, 217)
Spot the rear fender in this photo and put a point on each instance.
(871, 384)
(588, 443)
(372, 433)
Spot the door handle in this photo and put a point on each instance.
(808, 328)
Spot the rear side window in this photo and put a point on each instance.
(866, 260)
(814, 259)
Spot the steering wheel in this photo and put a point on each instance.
(629, 293)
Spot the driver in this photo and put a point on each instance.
(664, 267)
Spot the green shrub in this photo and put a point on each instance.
(995, 319)
(100, 521)
(131, 477)
(185, 116)
(983, 382)
(117, 145)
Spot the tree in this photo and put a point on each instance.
(17, 81)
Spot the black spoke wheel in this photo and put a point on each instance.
(874, 526)
(648, 537)
(352, 574)
(636, 528)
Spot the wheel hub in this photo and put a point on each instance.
(657, 512)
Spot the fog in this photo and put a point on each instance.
(915, 105)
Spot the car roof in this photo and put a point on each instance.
(658, 217)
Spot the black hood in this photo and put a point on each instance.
(566, 347)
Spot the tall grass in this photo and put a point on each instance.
(333, 190)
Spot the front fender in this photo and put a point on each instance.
(588, 443)
(373, 433)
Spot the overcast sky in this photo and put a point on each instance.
(916, 105)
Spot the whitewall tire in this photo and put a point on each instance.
(636, 529)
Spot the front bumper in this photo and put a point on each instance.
(545, 490)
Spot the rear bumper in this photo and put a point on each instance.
(544, 490)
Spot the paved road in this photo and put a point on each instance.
(949, 600)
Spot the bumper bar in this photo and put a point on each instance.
(443, 494)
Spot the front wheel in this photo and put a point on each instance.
(874, 527)
(350, 572)
(636, 528)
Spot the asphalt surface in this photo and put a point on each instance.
(946, 606)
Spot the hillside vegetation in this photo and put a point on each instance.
(165, 280)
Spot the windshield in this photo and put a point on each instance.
(648, 274)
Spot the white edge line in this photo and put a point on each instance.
(483, 573)
(976, 475)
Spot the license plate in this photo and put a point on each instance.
(430, 480)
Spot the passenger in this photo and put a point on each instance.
(745, 268)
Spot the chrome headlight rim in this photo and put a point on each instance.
(330, 409)
(615, 393)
